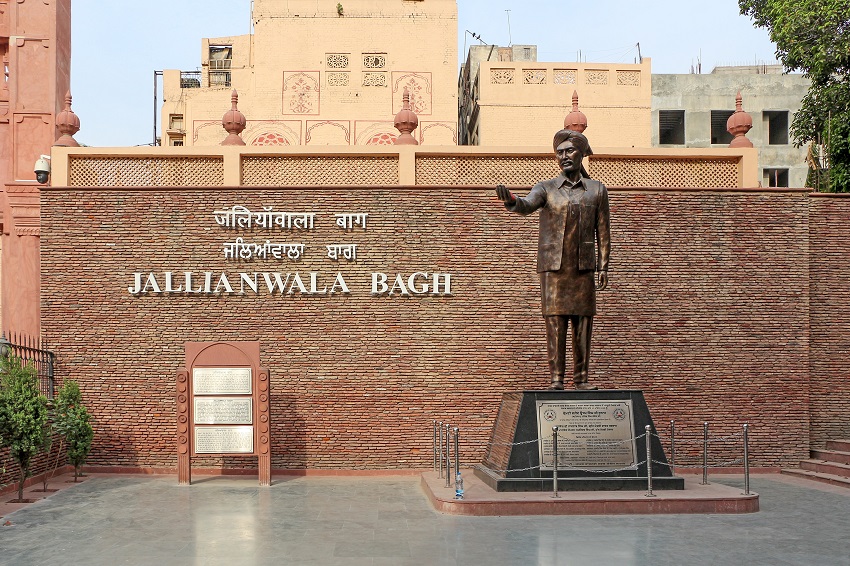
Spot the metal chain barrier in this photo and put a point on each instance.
(442, 437)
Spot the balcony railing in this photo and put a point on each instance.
(190, 79)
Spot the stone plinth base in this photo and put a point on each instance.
(513, 461)
(482, 501)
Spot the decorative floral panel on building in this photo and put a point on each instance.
(272, 132)
(419, 87)
(301, 92)
(374, 133)
(438, 133)
(207, 132)
(257, 132)
(328, 132)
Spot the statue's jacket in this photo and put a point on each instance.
(554, 205)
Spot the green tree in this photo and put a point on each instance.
(72, 422)
(813, 36)
(23, 414)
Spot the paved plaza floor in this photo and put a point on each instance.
(126, 519)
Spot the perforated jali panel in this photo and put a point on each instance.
(120, 171)
(483, 170)
(637, 172)
(319, 170)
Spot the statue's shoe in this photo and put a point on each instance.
(586, 386)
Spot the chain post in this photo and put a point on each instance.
(457, 450)
(435, 446)
(649, 462)
(746, 460)
(448, 456)
(555, 462)
(672, 443)
(440, 441)
(704, 453)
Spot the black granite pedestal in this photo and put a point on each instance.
(512, 462)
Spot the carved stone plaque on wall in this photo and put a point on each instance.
(224, 410)
(224, 439)
(221, 381)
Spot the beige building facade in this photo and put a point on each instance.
(323, 74)
(509, 98)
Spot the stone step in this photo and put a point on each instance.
(831, 456)
(825, 467)
(824, 478)
(841, 445)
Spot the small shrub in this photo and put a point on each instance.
(24, 428)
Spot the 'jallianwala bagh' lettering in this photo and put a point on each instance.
(310, 283)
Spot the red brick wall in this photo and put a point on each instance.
(50, 461)
(829, 236)
(707, 312)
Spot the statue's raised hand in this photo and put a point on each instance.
(505, 195)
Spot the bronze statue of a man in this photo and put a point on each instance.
(574, 227)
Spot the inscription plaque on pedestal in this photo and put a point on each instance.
(592, 434)
(597, 449)
(224, 410)
(224, 440)
(221, 381)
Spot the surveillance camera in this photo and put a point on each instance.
(42, 169)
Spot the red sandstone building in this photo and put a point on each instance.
(726, 302)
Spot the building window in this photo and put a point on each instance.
(776, 122)
(221, 58)
(775, 177)
(177, 142)
(719, 135)
(190, 79)
(671, 127)
(175, 122)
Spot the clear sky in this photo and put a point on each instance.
(116, 46)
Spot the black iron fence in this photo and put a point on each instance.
(32, 351)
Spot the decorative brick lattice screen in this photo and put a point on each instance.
(146, 171)
(337, 79)
(564, 76)
(319, 170)
(336, 61)
(596, 77)
(677, 173)
(483, 170)
(628, 78)
(374, 79)
(534, 76)
(502, 76)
